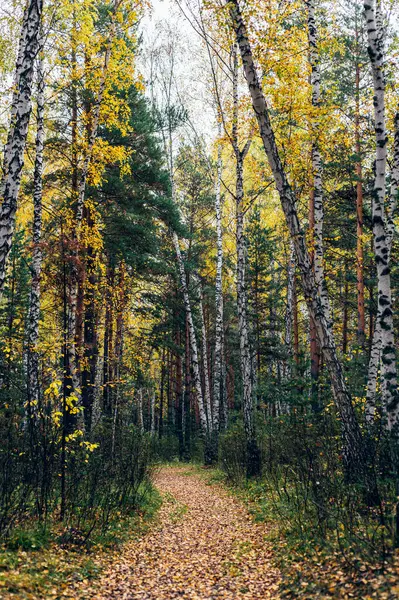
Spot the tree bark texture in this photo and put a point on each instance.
(36, 267)
(18, 130)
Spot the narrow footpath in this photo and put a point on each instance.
(204, 546)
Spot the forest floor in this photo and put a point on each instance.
(205, 545)
(204, 541)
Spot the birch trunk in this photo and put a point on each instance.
(375, 352)
(18, 130)
(243, 330)
(193, 337)
(90, 342)
(36, 267)
(80, 200)
(152, 411)
(224, 407)
(316, 216)
(207, 389)
(316, 164)
(314, 346)
(140, 420)
(383, 341)
(353, 454)
(361, 319)
(95, 116)
(218, 387)
(289, 311)
(245, 352)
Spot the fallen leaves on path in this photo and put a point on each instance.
(205, 546)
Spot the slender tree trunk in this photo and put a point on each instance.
(171, 419)
(317, 170)
(193, 337)
(161, 395)
(361, 317)
(179, 401)
(345, 313)
(295, 320)
(314, 346)
(290, 310)
(353, 449)
(140, 419)
(152, 412)
(218, 384)
(90, 342)
(207, 388)
(253, 458)
(316, 217)
(34, 298)
(108, 342)
(384, 341)
(187, 391)
(79, 195)
(224, 407)
(116, 360)
(18, 130)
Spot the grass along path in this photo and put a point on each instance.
(204, 546)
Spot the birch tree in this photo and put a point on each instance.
(317, 172)
(140, 418)
(207, 389)
(36, 267)
(218, 375)
(361, 318)
(80, 199)
(316, 211)
(383, 348)
(193, 337)
(289, 311)
(20, 115)
(353, 450)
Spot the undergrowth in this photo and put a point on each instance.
(38, 562)
(328, 542)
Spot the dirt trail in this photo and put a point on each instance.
(205, 546)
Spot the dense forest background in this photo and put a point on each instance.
(198, 260)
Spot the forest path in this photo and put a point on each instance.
(204, 546)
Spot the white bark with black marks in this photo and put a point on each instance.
(383, 348)
(218, 385)
(152, 411)
(36, 266)
(289, 310)
(207, 388)
(193, 337)
(317, 170)
(140, 419)
(242, 302)
(375, 354)
(18, 130)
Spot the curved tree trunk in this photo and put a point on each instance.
(353, 449)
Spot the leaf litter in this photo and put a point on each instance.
(205, 545)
